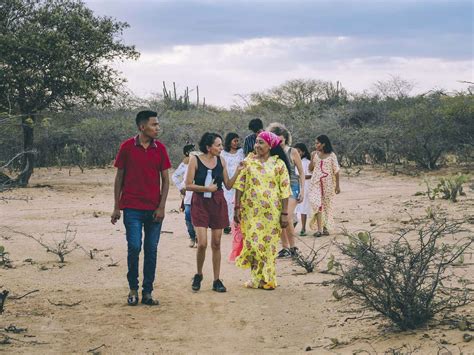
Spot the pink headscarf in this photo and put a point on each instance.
(271, 138)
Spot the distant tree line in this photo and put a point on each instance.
(379, 128)
(62, 103)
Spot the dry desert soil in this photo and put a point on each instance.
(80, 305)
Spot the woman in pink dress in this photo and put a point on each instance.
(323, 186)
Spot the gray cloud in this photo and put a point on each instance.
(411, 28)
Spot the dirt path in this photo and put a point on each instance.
(300, 313)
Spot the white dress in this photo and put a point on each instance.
(305, 206)
(232, 162)
(322, 189)
(179, 179)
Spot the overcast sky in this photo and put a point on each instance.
(230, 47)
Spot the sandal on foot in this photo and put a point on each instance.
(325, 231)
(269, 286)
(317, 234)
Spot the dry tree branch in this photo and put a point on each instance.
(7, 340)
(60, 248)
(20, 297)
(6, 199)
(63, 304)
(3, 298)
(6, 182)
(311, 260)
(95, 349)
(403, 280)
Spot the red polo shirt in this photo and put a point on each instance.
(141, 184)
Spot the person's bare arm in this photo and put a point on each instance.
(159, 213)
(284, 213)
(117, 193)
(237, 208)
(190, 186)
(338, 189)
(229, 182)
(311, 163)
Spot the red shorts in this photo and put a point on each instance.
(209, 212)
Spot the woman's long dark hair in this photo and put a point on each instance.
(228, 140)
(323, 139)
(278, 150)
(304, 149)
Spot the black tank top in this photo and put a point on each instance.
(217, 173)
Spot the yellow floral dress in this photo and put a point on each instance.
(263, 186)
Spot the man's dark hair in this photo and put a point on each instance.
(144, 116)
(188, 148)
(207, 140)
(255, 125)
(228, 140)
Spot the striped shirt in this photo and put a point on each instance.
(249, 143)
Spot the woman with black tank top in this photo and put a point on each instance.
(209, 207)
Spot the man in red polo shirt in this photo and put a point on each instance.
(140, 190)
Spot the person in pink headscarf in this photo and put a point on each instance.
(261, 208)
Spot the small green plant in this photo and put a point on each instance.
(75, 154)
(431, 192)
(448, 187)
(430, 212)
(4, 258)
(451, 187)
(333, 264)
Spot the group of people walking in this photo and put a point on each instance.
(252, 192)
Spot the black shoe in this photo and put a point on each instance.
(132, 299)
(196, 286)
(294, 251)
(148, 300)
(227, 230)
(284, 253)
(218, 286)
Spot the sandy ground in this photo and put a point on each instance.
(301, 313)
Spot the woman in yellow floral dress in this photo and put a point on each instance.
(261, 206)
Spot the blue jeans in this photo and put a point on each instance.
(134, 220)
(189, 224)
(295, 190)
